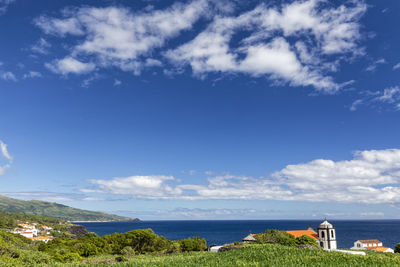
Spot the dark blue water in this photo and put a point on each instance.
(221, 232)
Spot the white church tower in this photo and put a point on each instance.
(327, 236)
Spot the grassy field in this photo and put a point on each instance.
(259, 255)
(254, 255)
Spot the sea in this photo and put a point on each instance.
(223, 232)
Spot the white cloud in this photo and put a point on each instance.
(88, 81)
(389, 96)
(117, 82)
(268, 50)
(70, 65)
(41, 46)
(372, 214)
(372, 177)
(397, 66)
(290, 43)
(50, 196)
(4, 151)
(8, 76)
(206, 213)
(356, 104)
(137, 186)
(32, 74)
(375, 64)
(60, 27)
(115, 36)
(189, 172)
(4, 5)
(6, 155)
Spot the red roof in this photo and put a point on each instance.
(298, 233)
(379, 249)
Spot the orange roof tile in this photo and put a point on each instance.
(41, 237)
(298, 233)
(379, 249)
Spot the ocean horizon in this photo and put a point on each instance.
(220, 232)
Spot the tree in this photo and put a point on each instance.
(397, 248)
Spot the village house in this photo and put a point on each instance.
(372, 244)
(27, 226)
(46, 228)
(30, 231)
(324, 237)
(42, 238)
(24, 232)
(27, 230)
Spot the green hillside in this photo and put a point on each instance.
(50, 209)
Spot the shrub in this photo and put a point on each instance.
(71, 257)
(87, 249)
(128, 251)
(174, 247)
(305, 240)
(276, 237)
(193, 244)
(30, 258)
(397, 248)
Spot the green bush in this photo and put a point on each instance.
(29, 258)
(174, 247)
(193, 244)
(306, 240)
(276, 237)
(87, 249)
(128, 251)
(71, 257)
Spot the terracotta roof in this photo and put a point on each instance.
(298, 233)
(42, 237)
(379, 249)
(27, 225)
(370, 241)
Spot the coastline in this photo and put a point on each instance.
(133, 220)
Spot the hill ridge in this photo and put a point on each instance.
(56, 210)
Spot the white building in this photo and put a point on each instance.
(26, 230)
(42, 238)
(27, 226)
(327, 236)
(372, 244)
(27, 234)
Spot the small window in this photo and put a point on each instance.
(358, 245)
(321, 244)
(332, 233)
(322, 234)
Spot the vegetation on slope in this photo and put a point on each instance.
(263, 255)
(10, 220)
(145, 248)
(17, 250)
(50, 209)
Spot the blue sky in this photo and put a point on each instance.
(203, 109)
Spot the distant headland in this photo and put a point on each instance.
(59, 211)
